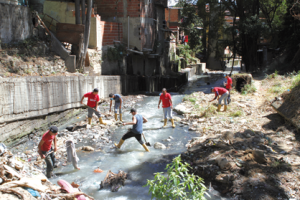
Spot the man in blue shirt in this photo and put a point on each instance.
(118, 105)
(136, 131)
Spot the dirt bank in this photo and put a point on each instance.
(248, 152)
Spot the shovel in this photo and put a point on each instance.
(48, 154)
(91, 107)
(147, 143)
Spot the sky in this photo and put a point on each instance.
(172, 2)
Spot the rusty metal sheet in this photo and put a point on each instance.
(69, 33)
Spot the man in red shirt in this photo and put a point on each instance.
(224, 95)
(45, 147)
(167, 105)
(228, 86)
(93, 99)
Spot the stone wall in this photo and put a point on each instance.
(15, 23)
(22, 98)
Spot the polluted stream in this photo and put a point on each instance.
(132, 158)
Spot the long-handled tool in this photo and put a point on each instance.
(48, 154)
(90, 107)
(147, 143)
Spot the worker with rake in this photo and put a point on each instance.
(118, 105)
(167, 105)
(136, 131)
(228, 86)
(46, 151)
(92, 103)
(219, 91)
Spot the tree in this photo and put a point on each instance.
(212, 14)
(192, 24)
(81, 50)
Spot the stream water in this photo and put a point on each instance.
(132, 158)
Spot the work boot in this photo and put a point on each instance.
(146, 148)
(101, 121)
(89, 121)
(116, 116)
(173, 124)
(225, 108)
(121, 117)
(120, 144)
(165, 123)
(219, 108)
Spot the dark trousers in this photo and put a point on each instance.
(229, 93)
(130, 134)
(50, 161)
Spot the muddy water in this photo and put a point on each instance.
(132, 158)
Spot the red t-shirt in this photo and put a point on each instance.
(92, 99)
(220, 90)
(229, 82)
(47, 138)
(165, 100)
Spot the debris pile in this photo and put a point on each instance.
(248, 152)
(114, 181)
(20, 179)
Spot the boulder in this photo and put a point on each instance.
(87, 148)
(159, 145)
(181, 109)
(223, 163)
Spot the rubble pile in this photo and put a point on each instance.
(22, 180)
(247, 152)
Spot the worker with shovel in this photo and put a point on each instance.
(228, 86)
(92, 103)
(136, 131)
(224, 95)
(46, 151)
(118, 105)
(167, 105)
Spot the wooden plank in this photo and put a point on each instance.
(69, 33)
(87, 60)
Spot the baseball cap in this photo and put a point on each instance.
(212, 88)
(132, 110)
(96, 90)
(53, 129)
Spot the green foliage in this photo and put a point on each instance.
(296, 80)
(115, 53)
(208, 111)
(186, 53)
(276, 89)
(177, 184)
(191, 24)
(248, 88)
(189, 98)
(236, 113)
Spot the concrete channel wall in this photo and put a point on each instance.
(22, 98)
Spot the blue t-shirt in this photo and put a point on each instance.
(138, 127)
(117, 98)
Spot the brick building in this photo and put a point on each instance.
(144, 34)
(173, 17)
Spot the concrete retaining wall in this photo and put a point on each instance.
(15, 23)
(22, 98)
